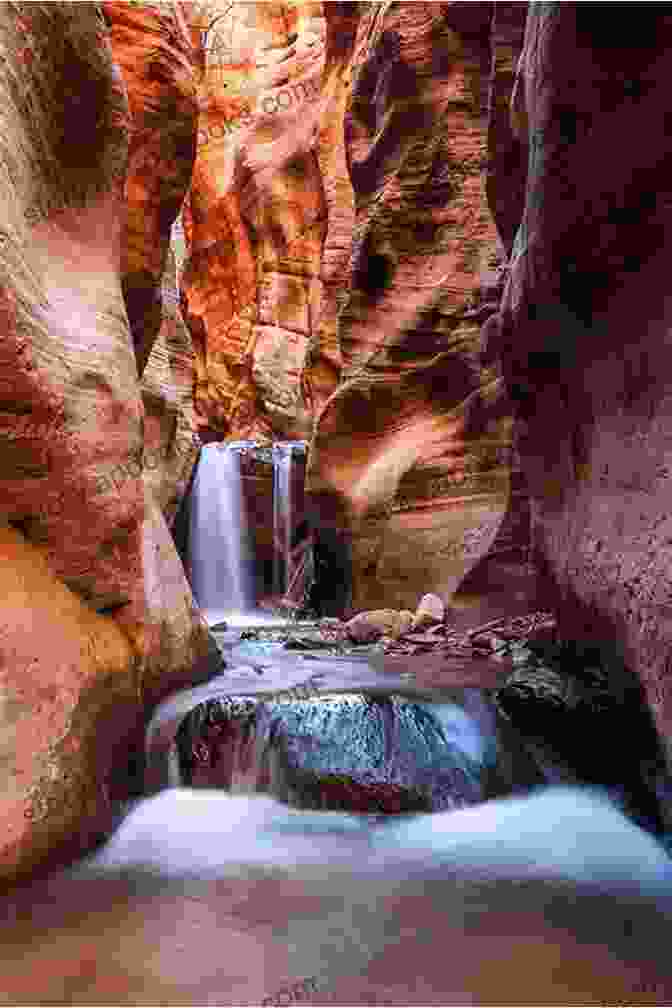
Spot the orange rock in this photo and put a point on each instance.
(152, 46)
(69, 696)
(99, 619)
(171, 443)
(414, 439)
(323, 362)
(366, 627)
(255, 215)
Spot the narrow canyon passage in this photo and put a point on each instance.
(335, 638)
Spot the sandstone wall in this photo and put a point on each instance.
(97, 615)
(255, 215)
(584, 330)
(343, 260)
(171, 442)
(411, 452)
(152, 46)
(324, 361)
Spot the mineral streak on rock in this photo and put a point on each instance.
(255, 215)
(414, 440)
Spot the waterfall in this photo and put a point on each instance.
(220, 561)
(285, 512)
(282, 514)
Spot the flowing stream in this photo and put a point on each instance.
(321, 730)
(301, 753)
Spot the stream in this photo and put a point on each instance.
(321, 730)
(323, 827)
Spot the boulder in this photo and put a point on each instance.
(565, 705)
(367, 627)
(351, 751)
(405, 621)
(431, 610)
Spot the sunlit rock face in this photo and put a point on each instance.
(96, 593)
(152, 46)
(322, 367)
(411, 451)
(255, 217)
(171, 443)
(343, 259)
(68, 697)
(585, 326)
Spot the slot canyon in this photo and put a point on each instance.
(335, 653)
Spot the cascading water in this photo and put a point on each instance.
(284, 515)
(220, 560)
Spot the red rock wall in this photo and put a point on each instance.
(255, 216)
(98, 616)
(152, 45)
(343, 259)
(323, 362)
(584, 330)
(411, 452)
(170, 438)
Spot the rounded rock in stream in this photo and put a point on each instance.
(354, 752)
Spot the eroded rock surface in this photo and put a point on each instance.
(323, 363)
(584, 328)
(69, 691)
(411, 452)
(171, 442)
(255, 215)
(342, 260)
(349, 751)
(100, 618)
(152, 46)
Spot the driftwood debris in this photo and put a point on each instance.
(477, 642)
